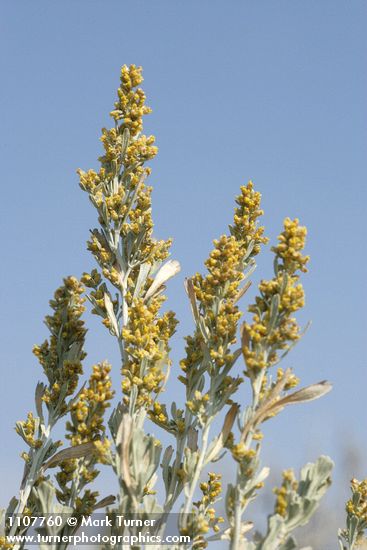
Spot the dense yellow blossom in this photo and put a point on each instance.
(130, 106)
(245, 227)
(125, 242)
(146, 338)
(217, 292)
(87, 412)
(130, 259)
(203, 517)
(87, 424)
(117, 190)
(61, 356)
(290, 247)
(273, 326)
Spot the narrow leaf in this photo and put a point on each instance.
(168, 270)
(111, 313)
(78, 451)
(219, 442)
(309, 393)
(106, 501)
(242, 292)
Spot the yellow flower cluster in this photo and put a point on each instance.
(247, 459)
(218, 292)
(292, 382)
(198, 405)
(118, 191)
(4, 544)
(146, 338)
(289, 484)
(87, 424)
(88, 411)
(141, 150)
(123, 202)
(241, 453)
(290, 247)
(358, 506)
(245, 227)
(27, 429)
(125, 242)
(91, 280)
(273, 326)
(85, 505)
(223, 267)
(266, 387)
(158, 414)
(130, 106)
(211, 489)
(204, 517)
(61, 356)
(90, 181)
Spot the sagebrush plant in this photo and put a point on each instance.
(222, 354)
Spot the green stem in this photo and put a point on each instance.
(32, 476)
(199, 467)
(238, 507)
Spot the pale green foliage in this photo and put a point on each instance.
(126, 292)
(353, 534)
(302, 501)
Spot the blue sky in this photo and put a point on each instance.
(269, 91)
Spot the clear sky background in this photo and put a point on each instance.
(273, 91)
